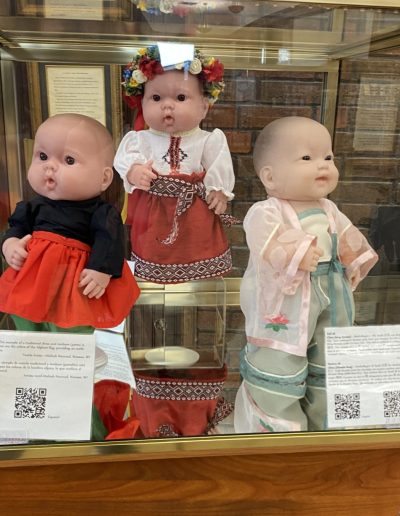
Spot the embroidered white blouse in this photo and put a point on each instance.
(198, 151)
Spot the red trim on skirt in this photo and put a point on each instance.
(46, 288)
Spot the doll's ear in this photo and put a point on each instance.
(107, 178)
(266, 177)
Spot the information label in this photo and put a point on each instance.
(46, 385)
(363, 376)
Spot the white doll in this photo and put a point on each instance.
(179, 178)
(306, 258)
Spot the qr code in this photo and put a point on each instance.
(347, 406)
(391, 403)
(30, 402)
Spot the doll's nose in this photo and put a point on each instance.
(323, 163)
(167, 105)
(49, 167)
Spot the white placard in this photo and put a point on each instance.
(363, 376)
(118, 364)
(175, 53)
(46, 385)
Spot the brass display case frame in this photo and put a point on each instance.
(141, 449)
(33, 40)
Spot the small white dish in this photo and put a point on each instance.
(172, 356)
(100, 360)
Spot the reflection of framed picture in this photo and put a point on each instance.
(89, 90)
(76, 89)
(75, 9)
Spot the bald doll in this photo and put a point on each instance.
(306, 258)
(65, 247)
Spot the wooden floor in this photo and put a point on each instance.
(353, 483)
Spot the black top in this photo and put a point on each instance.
(93, 222)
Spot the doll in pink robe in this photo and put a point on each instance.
(306, 258)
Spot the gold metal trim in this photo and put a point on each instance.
(120, 11)
(199, 446)
(116, 106)
(114, 42)
(349, 3)
(34, 95)
(13, 152)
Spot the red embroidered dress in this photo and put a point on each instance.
(174, 235)
(169, 404)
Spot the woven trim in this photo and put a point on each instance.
(180, 272)
(170, 186)
(178, 391)
(222, 410)
(166, 430)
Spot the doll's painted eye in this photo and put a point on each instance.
(306, 158)
(156, 98)
(43, 156)
(329, 157)
(69, 160)
(181, 97)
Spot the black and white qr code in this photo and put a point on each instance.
(30, 402)
(391, 403)
(347, 406)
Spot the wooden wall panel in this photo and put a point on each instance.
(356, 483)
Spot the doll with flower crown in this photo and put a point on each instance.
(179, 177)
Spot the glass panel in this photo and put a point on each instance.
(337, 65)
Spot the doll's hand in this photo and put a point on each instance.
(95, 283)
(309, 262)
(354, 278)
(217, 201)
(141, 176)
(14, 250)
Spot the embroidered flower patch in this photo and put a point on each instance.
(276, 323)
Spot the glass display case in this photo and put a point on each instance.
(180, 325)
(334, 62)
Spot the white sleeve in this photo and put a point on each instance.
(128, 153)
(217, 163)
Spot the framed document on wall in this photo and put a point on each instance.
(92, 90)
(74, 9)
(76, 89)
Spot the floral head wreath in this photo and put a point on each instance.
(147, 64)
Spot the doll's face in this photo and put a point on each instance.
(68, 162)
(301, 162)
(173, 104)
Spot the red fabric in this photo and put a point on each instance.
(111, 398)
(46, 288)
(163, 417)
(201, 235)
(128, 430)
(135, 102)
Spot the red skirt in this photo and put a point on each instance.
(46, 288)
(171, 247)
(179, 403)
